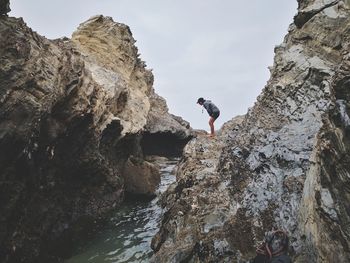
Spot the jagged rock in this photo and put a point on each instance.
(4, 7)
(198, 203)
(304, 15)
(161, 121)
(72, 112)
(113, 60)
(284, 166)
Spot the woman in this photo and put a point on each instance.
(213, 112)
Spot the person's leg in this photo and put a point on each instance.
(211, 124)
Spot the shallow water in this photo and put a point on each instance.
(127, 238)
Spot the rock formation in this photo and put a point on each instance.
(284, 165)
(4, 7)
(73, 114)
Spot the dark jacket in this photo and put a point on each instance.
(210, 107)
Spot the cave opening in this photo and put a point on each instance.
(163, 144)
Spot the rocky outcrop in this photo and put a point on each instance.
(198, 203)
(161, 127)
(72, 118)
(4, 7)
(285, 165)
(310, 10)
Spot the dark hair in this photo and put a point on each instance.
(200, 100)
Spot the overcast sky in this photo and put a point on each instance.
(216, 49)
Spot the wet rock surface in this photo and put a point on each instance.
(72, 116)
(284, 165)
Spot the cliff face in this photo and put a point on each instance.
(284, 165)
(73, 114)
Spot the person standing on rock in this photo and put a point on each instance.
(213, 112)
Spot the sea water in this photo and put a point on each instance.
(127, 237)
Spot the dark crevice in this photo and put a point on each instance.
(163, 144)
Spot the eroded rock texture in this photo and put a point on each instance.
(285, 165)
(72, 114)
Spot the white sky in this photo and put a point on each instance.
(219, 50)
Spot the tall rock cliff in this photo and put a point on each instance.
(73, 117)
(284, 165)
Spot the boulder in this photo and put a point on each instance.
(140, 177)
